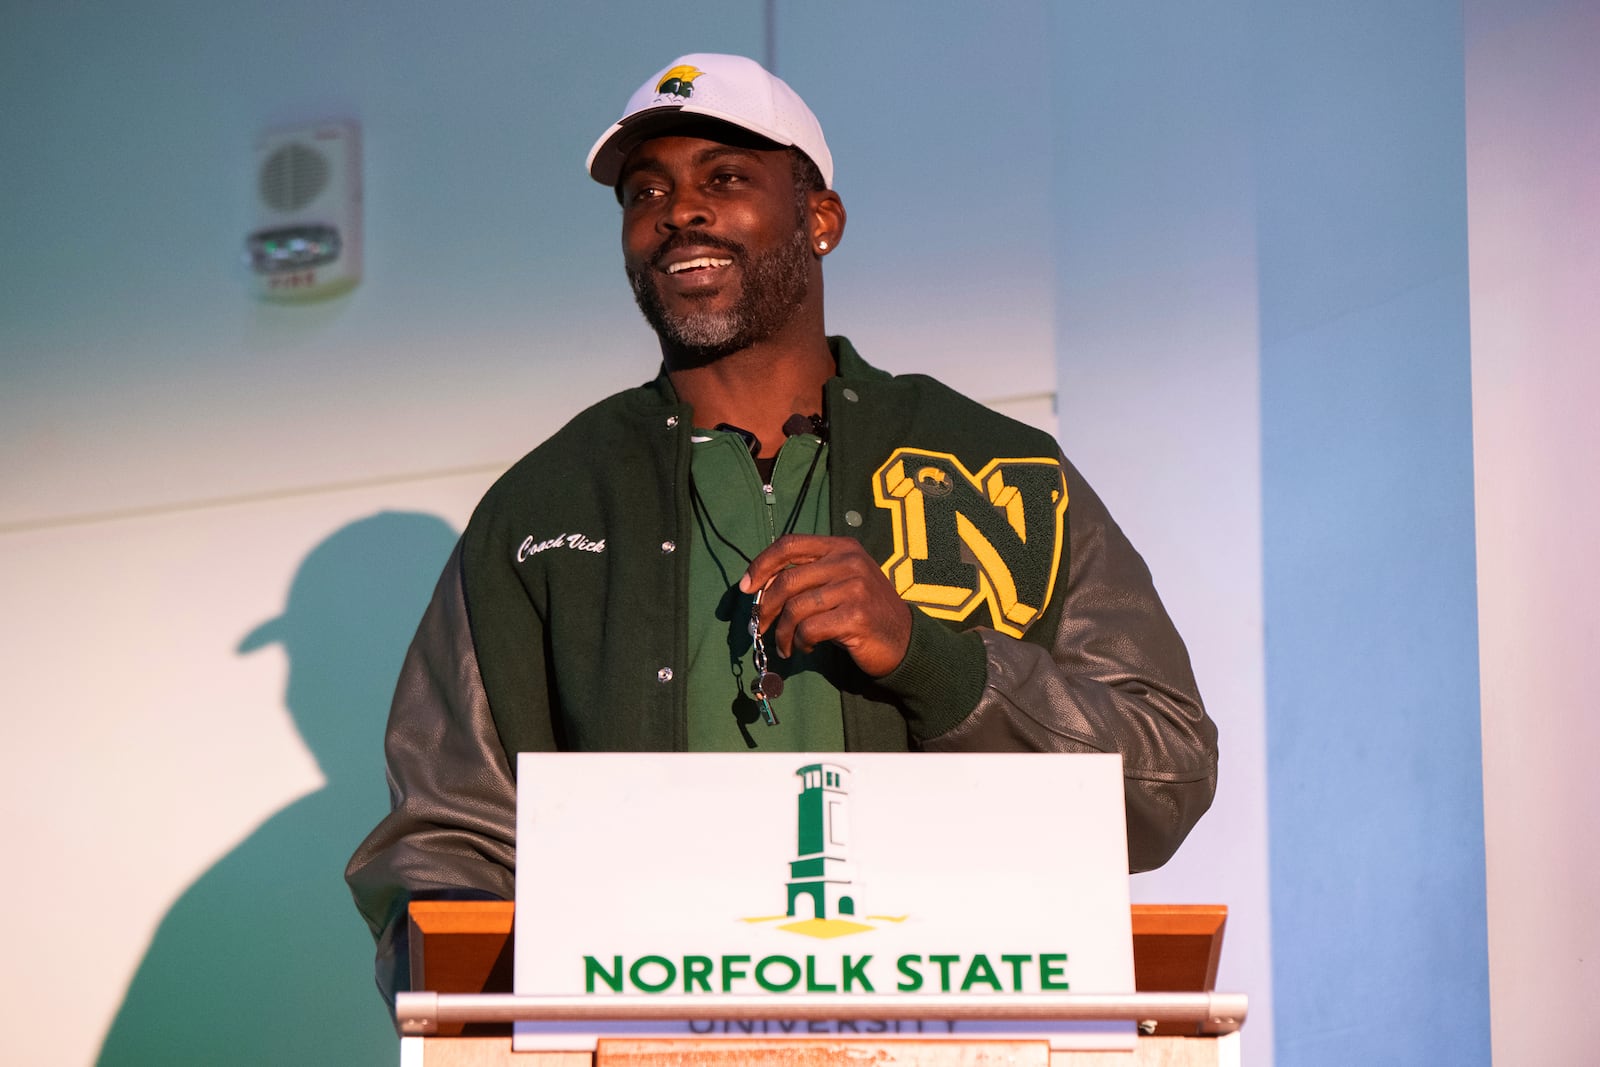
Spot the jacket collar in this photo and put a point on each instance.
(845, 357)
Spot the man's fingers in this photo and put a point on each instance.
(806, 608)
(787, 551)
(805, 575)
(816, 589)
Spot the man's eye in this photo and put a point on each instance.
(726, 178)
(645, 192)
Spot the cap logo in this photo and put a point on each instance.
(679, 81)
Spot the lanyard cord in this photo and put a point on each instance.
(704, 513)
(768, 685)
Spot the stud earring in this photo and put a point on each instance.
(822, 246)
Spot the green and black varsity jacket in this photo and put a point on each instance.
(558, 624)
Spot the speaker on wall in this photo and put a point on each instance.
(306, 242)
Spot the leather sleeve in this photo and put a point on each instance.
(1115, 679)
(451, 831)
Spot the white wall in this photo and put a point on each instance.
(179, 454)
(1534, 179)
(163, 774)
(185, 459)
(140, 371)
(180, 451)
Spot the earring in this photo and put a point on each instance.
(822, 246)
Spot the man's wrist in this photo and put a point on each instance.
(941, 678)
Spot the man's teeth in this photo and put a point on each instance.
(696, 264)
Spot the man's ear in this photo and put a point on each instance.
(827, 217)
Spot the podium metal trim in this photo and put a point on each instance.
(420, 1014)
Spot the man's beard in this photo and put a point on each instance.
(774, 286)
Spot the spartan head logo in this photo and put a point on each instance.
(679, 82)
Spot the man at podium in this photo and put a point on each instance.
(771, 546)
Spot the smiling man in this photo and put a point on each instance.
(772, 546)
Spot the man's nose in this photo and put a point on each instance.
(688, 209)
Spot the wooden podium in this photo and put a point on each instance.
(466, 948)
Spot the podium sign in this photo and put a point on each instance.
(787, 875)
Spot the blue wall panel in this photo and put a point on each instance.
(1374, 761)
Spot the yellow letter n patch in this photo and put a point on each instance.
(961, 540)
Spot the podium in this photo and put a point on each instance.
(460, 1010)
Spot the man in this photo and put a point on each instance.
(771, 546)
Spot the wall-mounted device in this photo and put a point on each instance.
(307, 239)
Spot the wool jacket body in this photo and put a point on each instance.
(558, 624)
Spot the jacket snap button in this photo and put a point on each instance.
(667, 548)
(852, 518)
(664, 674)
(850, 395)
(672, 420)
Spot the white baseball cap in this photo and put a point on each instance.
(729, 89)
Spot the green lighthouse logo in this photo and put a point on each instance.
(821, 885)
(819, 875)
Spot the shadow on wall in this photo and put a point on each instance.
(264, 959)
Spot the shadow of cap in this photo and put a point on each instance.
(269, 632)
(357, 576)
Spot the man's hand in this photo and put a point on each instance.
(828, 589)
